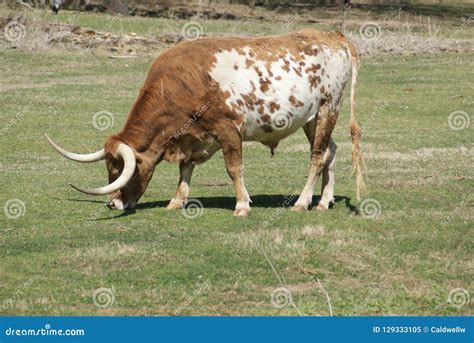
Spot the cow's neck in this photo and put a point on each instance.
(146, 128)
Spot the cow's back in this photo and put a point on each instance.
(273, 84)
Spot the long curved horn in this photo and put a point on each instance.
(129, 162)
(93, 157)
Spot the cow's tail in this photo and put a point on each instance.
(358, 165)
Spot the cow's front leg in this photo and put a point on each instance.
(181, 197)
(319, 135)
(327, 190)
(232, 149)
(234, 169)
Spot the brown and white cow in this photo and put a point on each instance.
(214, 93)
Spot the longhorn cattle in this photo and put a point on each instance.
(214, 93)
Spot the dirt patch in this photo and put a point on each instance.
(24, 33)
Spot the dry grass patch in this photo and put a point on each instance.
(108, 251)
(313, 231)
(279, 244)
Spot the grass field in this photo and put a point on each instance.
(64, 253)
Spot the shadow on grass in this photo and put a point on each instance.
(228, 203)
(79, 200)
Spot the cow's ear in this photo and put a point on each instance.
(109, 156)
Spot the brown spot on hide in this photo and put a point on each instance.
(295, 102)
(269, 72)
(253, 86)
(313, 68)
(259, 73)
(267, 128)
(298, 71)
(265, 84)
(274, 107)
(313, 81)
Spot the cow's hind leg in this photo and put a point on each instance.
(327, 189)
(181, 197)
(319, 134)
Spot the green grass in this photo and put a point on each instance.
(67, 245)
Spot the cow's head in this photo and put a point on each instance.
(129, 172)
